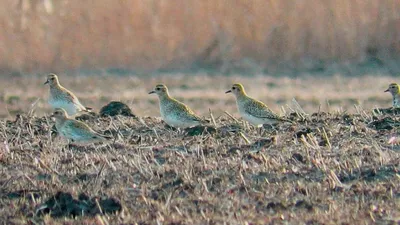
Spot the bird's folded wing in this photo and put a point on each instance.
(260, 110)
(196, 118)
(77, 128)
(67, 95)
(76, 101)
(186, 111)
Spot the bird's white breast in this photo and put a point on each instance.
(69, 107)
(396, 102)
(252, 119)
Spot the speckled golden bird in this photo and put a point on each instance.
(60, 97)
(74, 130)
(395, 91)
(252, 110)
(173, 112)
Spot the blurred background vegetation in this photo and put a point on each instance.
(228, 36)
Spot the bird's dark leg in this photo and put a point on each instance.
(269, 127)
(260, 130)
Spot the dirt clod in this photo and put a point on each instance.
(64, 204)
(116, 108)
(199, 130)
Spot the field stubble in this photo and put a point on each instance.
(326, 168)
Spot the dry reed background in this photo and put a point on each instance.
(47, 35)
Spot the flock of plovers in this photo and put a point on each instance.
(173, 112)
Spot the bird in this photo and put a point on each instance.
(74, 130)
(252, 110)
(395, 91)
(173, 112)
(61, 97)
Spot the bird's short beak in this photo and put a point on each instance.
(229, 91)
(387, 90)
(47, 81)
(152, 92)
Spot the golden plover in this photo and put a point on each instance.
(60, 97)
(75, 130)
(254, 111)
(395, 91)
(173, 112)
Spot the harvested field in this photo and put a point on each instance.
(333, 166)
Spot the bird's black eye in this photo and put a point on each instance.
(158, 89)
(52, 78)
(233, 88)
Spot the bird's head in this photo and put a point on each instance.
(160, 90)
(60, 114)
(236, 89)
(393, 89)
(52, 79)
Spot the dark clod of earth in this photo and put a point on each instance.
(200, 130)
(65, 205)
(298, 157)
(386, 123)
(303, 132)
(90, 116)
(116, 108)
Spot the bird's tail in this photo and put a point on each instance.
(287, 120)
(200, 120)
(101, 138)
(108, 138)
(206, 121)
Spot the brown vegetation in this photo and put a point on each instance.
(327, 168)
(44, 35)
